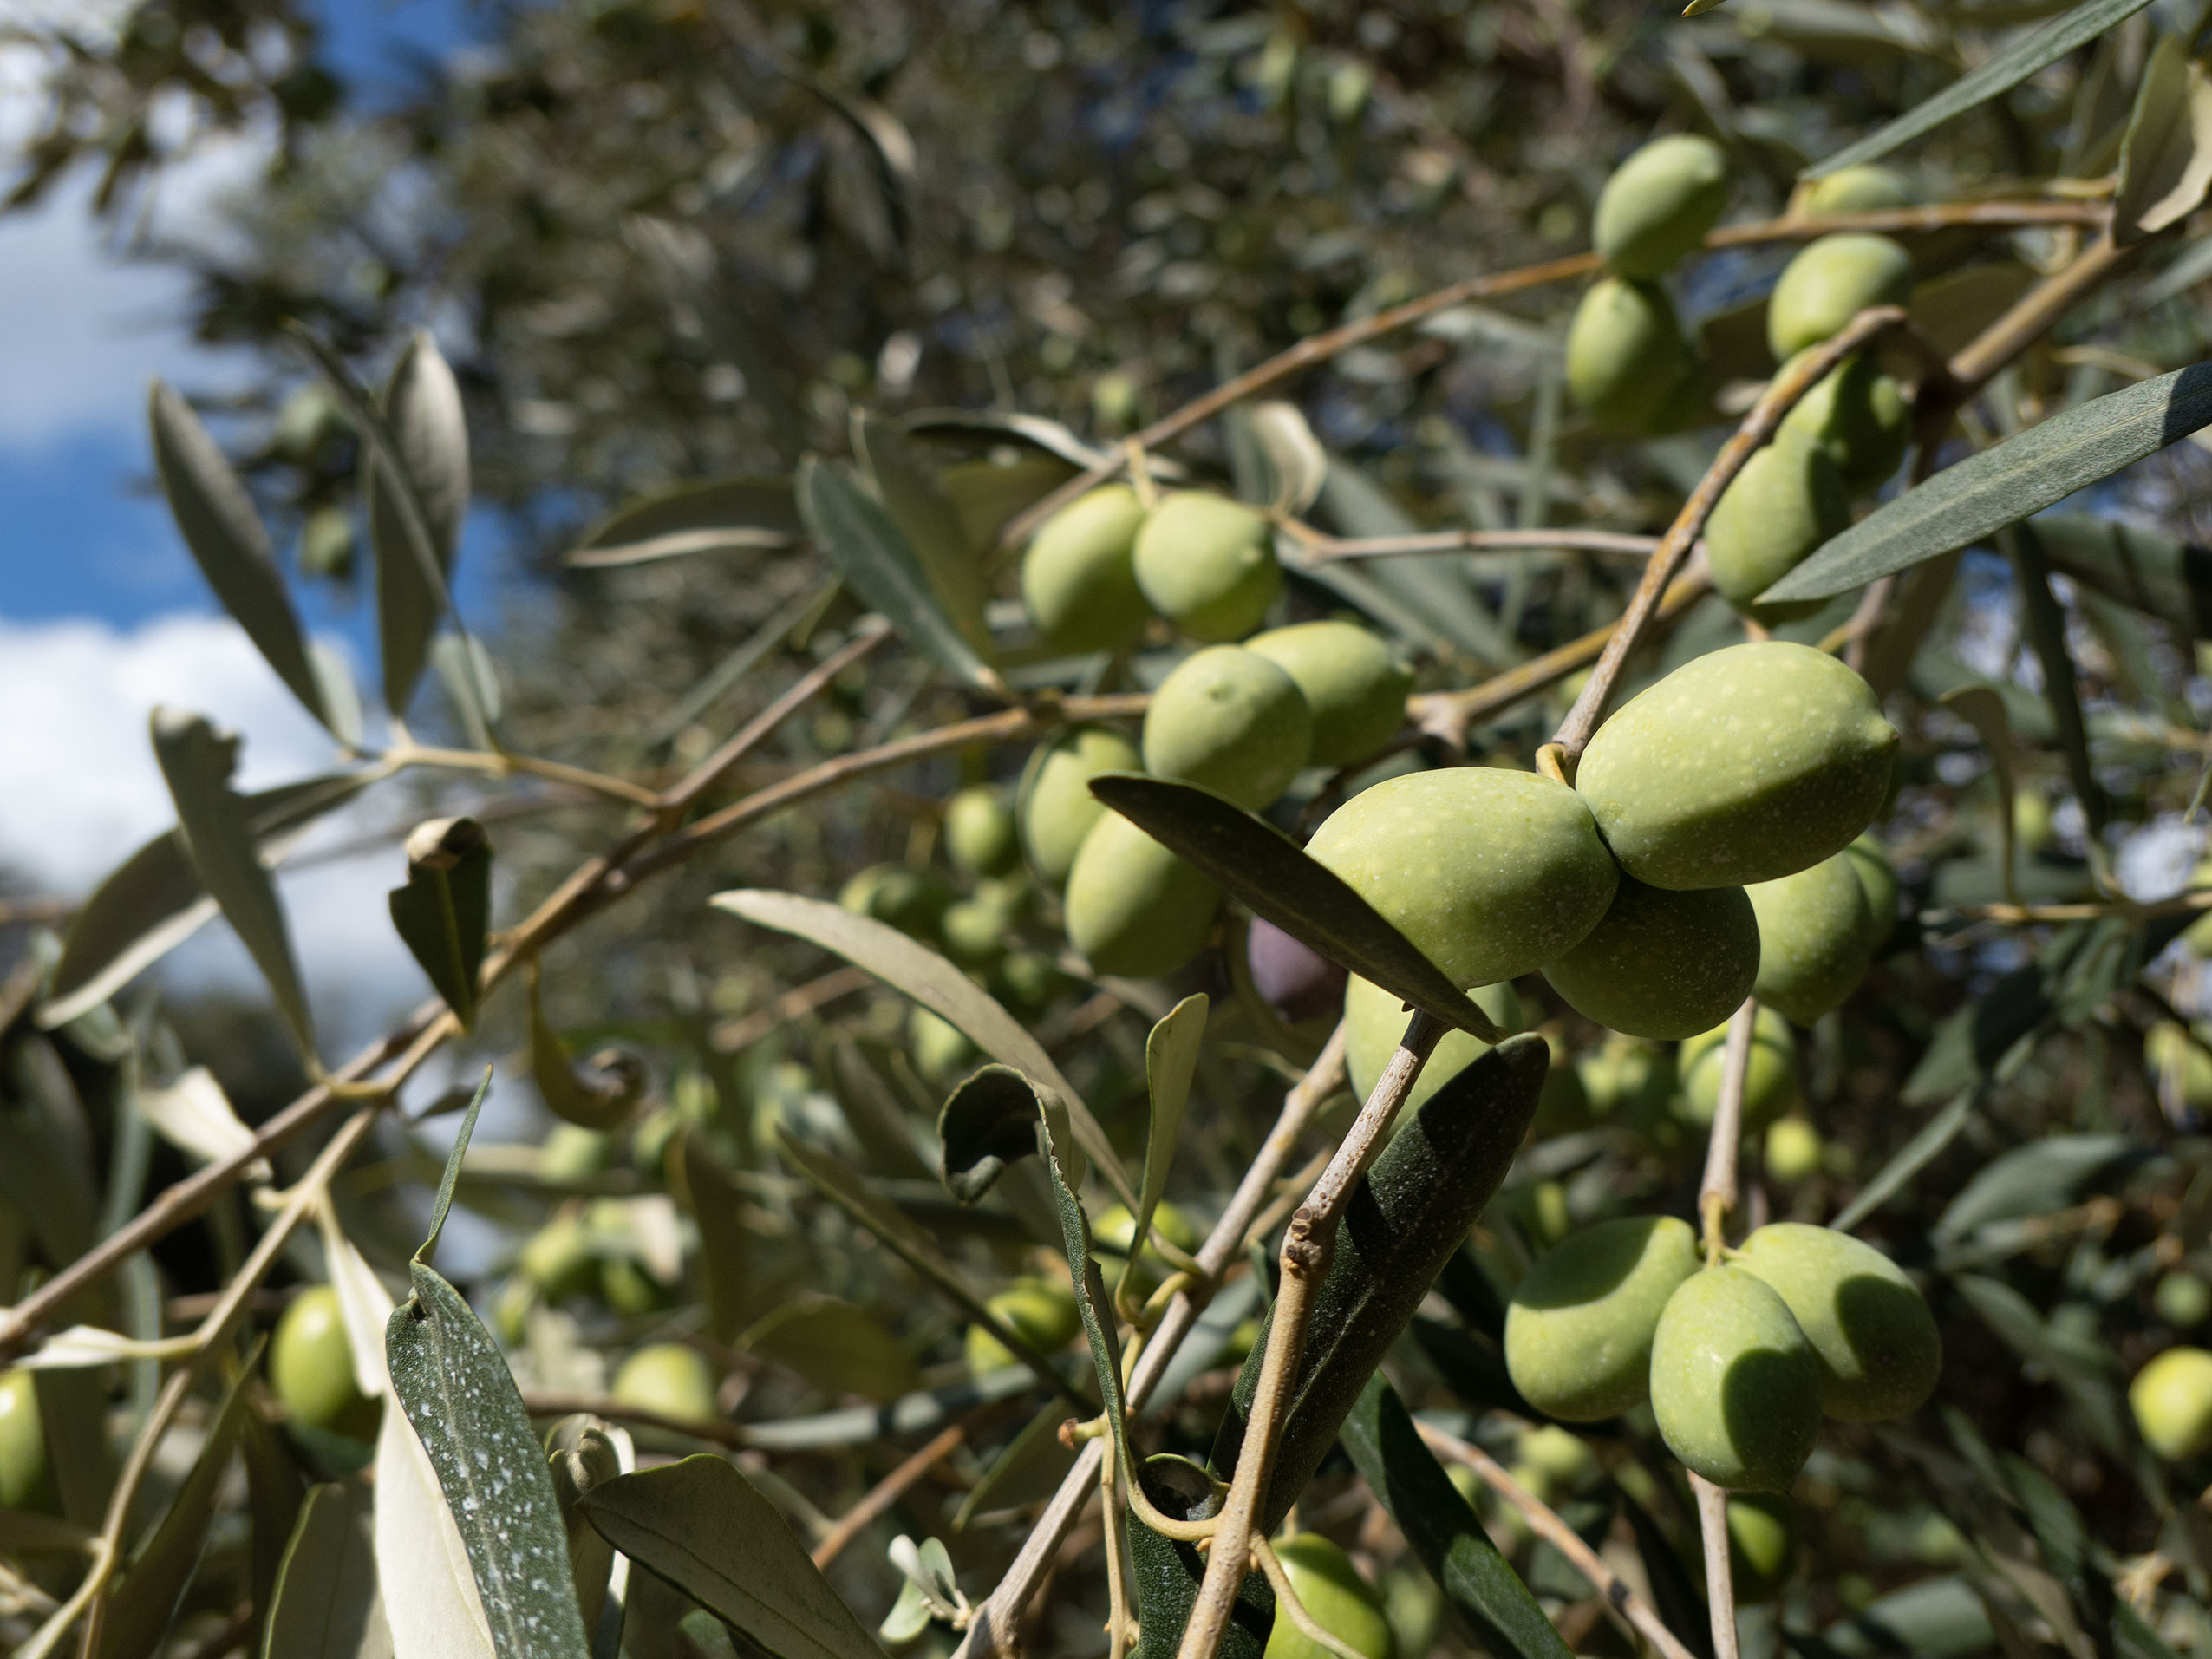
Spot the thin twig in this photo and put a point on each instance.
(1720, 1572)
(880, 1496)
(1717, 1192)
(731, 1035)
(1324, 549)
(1544, 1522)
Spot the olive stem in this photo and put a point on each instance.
(1781, 395)
(1307, 1248)
(1544, 1522)
(1326, 549)
(1119, 1620)
(1285, 1600)
(1717, 1192)
(1719, 1575)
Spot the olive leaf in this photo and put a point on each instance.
(1168, 1572)
(793, 620)
(1170, 1062)
(2156, 574)
(1999, 75)
(725, 1247)
(419, 1545)
(879, 564)
(326, 1604)
(712, 515)
(988, 1121)
(217, 519)
(1405, 1218)
(1982, 707)
(443, 912)
(929, 521)
(1274, 876)
(1028, 1469)
(2038, 1179)
(471, 679)
(704, 1528)
(837, 1347)
(583, 1453)
(1047, 436)
(422, 413)
(217, 824)
(2007, 483)
(2166, 155)
(1442, 1528)
(597, 1094)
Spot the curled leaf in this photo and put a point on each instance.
(442, 912)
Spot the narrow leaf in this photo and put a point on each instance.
(1170, 1062)
(456, 1388)
(1910, 1160)
(326, 1605)
(1999, 75)
(1443, 1530)
(2166, 156)
(725, 1247)
(1982, 707)
(453, 1161)
(229, 542)
(2038, 1179)
(274, 1491)
(417, 1544)
(710, 515)
(921, 974)
(2007, 482)
(988, 1121)
(881, 566)
(196, 762)
(2168, 579)
(443, 912)
(1274, 877)
(194, 1114)
(422, 413)
(1297, 465)
(702, 1525)
(1168, 1572)
(599, 1094)
(932, 525)
(1027, 1470)
(837, 1347)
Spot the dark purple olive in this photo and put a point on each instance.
(1291, 977)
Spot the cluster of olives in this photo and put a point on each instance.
(1738, 1359)
(1703, 853)
(1632, 369)
(1241, 719)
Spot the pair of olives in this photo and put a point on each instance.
(1738, 1360)
(1628, 889)
(1103, 566)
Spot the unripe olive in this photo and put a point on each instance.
(1040, 1312)
(1770, 1077)
(980, 835)
(1559, 1457)
(1831, 281)
(1625, 356)
(1116, 1230)
(1870, 864)
(558, 1261)
(1538, 1208)
(1027, 981)
(1786, 501)
(1661, 963)
(1207, 564)
(669, 1378)
(1743, 765)
(1793, 1150)
(1490, 874)
(1869, 1325)
(572, 1152)
(2182, 1300)
(2031, 829)
(628, 1290)
(1859, 415)
(1057, 806)
(939, 1048)
(1659, 204)
(1355, 688)
(2172, 1400)
(1374, 1021)
(2179, 1064)
(1762, 1545)
(1232, 721)
(1816, 935)
(974, 932)
(26, 1477)
(1133, 907)
(310, 1367)
(1627, 1077)
(1863, 189)
(910, 901)
(1078, 578)
(1289, 976)
(1734, 1384)
(1330, 1589)
(1578, 1331)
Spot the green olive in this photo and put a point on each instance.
(980, 833)
(939, 1048)
(1743, 765)
(310, 1367)
(572, 1152)
(1489, 873)
(2172, 1400)
(1859, 415)
(1870, 864)
(669, 1378)
(1057, 807)
(1625, 356)
(1787, 501)
(1232, 721)
(1040, 1312)
(1869, 1325)
(1627, 1079)
(1330, 1589)
(1659, 204)
(1762, 1545)
(1558, 1458)
(1116, 1230)
(1770, 1077)
(1829, 283)
(558, 1260)
(1207, 564)
(1793, 1150)
(1816, 935)
(26, 1477)
(1135, 908)
(1578, 1331)
(2182, 1300)
(1735, 1383)
(1078, 578)
(1661, 963)
(628, 1290)
(973, 933)
(1375, 1020)
(910, 901)
(1866, 188)
(1351, 681)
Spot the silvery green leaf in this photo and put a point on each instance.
(711, 515)
(837, 1347)
(471, 678)
(909, 1617)
(1170, 1062)
(444, 910)
(326, 1604)
(932, 526)
(423, 416)
(2166, 156)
